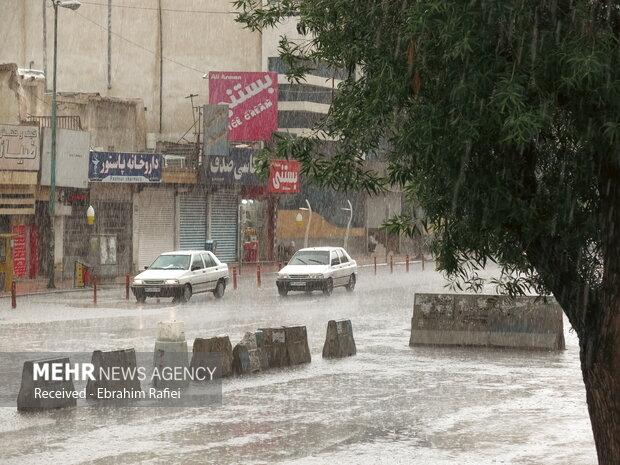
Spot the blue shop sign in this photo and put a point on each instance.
(124, 167)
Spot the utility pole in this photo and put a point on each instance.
(72, 5)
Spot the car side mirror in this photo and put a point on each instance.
(146, 268)
(195, 267)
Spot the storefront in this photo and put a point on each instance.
(223, 223)
(72, 200)
(192, 219)
(154, 223)
(132, 219)
(225, 177)
(19, 166)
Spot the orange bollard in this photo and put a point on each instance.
(95, 289)
(407, 263)
(127, 287)
(13, 295)
(375, 265)
(234, 277)
(258, 276)
(391, 263)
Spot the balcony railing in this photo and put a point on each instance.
(62, 122)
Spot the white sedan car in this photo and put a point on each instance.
(181, 274)
(318, 268)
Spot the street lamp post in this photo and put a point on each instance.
(309, 209)
(346, 234)
(72, 5)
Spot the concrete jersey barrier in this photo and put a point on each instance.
(249, 355)
(27, 401)
(106, 361)
(286, 346)
(204, 351)
(339, 341)
(526, 322)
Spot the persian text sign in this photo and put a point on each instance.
(237, 168)
(19, 148)
(252, 100)
(283, 177)
(124, 167)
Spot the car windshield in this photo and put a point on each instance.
(171, 262)
(310, 257)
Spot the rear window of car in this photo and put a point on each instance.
(343, 256)
(170, 262)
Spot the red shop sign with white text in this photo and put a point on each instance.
(283, 177)
(252, 99)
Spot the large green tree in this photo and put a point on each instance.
(502, 119)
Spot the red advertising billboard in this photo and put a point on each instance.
(283, 177)
(252, 99)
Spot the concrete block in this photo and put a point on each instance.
(525, 322)
(339, 341)
(297, 345)
(121, 369)
(275, 347)
(26, 399)
(204, 351)
(248, 356)
(171, 331)
(170, 355)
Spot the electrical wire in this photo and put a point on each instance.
(142, 47)
(173, 10)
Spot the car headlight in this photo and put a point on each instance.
(283, 276)
(137, 281)
(317, 276)
(172, 281)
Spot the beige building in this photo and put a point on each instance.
(154, 50)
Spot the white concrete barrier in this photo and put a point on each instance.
(526, 322)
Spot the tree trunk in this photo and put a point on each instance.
(600, 365)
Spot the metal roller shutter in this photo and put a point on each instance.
(192, 221)
(155, 227)
(223, 224)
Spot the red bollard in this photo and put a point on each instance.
(127, 287)
(13, 295)
(258, 276)
(407, 263)
(95, 289)
(391, 263)
(234, 277)
(375, 265)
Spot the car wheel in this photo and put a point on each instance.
(218, 292)
(282, 291)
(328, 287)
(349, 287)
(187, 293)
(140, 297)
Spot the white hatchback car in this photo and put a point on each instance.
(318, 268)
(181, 274)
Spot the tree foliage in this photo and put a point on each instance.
(501, 118)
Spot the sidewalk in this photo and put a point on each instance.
(39, 286)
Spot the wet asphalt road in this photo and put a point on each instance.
(388, 404)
